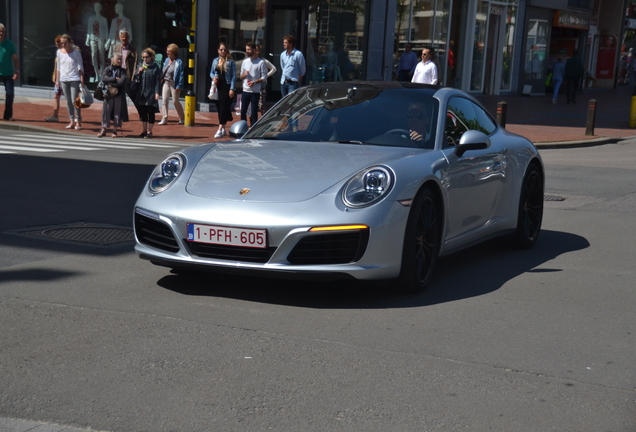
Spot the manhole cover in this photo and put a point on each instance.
(82, 233)
(553, 198)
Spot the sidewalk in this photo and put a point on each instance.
(563, 125)
(29, 113)
(535, 117)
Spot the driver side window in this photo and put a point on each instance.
(462, 115)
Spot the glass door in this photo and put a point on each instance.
(284, 21)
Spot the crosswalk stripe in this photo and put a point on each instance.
(115, 141)
(60, 146)
(39, 150)
(71, 146)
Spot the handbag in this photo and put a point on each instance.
(106, 91)
(214, 93)
(99, 94)
(84, 99)
(111, 91)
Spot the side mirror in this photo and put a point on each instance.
(238, 129)
(472, 140)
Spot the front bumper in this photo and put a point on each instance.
(293, 250)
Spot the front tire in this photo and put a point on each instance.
(530, 208)
(421, 244)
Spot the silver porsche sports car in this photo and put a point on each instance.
(363, 180)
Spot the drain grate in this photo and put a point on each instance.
(553, 198)
(82, 233)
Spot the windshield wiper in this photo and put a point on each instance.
(350, 142)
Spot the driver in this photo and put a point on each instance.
(419, 121)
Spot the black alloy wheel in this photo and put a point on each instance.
(530, 208)
(421, 244)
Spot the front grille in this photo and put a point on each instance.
(231, 253)
(154, 233)
(337, 248)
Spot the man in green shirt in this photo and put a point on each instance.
(9, 71)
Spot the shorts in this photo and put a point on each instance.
(58, 91)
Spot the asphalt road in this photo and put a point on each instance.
(505, 340)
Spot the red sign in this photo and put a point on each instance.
(606, 59)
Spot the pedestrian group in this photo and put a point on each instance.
(145, 81)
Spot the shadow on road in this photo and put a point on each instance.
(473, 272)
(48, 192)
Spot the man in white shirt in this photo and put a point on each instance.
(426, 71)
(254, 75)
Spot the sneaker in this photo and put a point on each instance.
(219, 134)
(553, 101)
(180, 122)
(163, 122)
(143, 135)
(52, 119)
(148, 135)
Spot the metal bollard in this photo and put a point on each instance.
(502, 112)
(190, 108)
(591, 117)
(632, 112)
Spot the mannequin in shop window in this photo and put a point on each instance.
(96, 38)
(117, 24)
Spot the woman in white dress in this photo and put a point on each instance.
(70, 76)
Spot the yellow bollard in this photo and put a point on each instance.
(190, 108)
(632, 112)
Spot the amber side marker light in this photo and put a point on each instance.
(339, 228)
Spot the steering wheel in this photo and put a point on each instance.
(401, 132)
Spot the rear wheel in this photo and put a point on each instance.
(530, 208)
(421, 244)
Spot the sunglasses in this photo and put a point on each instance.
(415, 115)
(145, 56)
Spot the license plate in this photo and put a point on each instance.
(231, 236)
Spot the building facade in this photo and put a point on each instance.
(482, 46)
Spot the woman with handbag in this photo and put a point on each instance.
(223, 74)
(114, 107)
(70, 75)
(172, 83)
(149, 87)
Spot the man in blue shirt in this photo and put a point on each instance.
(408, 61)
(292, 65)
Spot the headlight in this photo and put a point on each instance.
(368, 187)
(166, 173)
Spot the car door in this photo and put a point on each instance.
(475, 180)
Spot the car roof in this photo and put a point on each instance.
(439, 92)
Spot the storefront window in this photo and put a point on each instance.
(508, 48)
(93, 26)
(536, 45)
(336, 41)
(425, 24)
(241, 21)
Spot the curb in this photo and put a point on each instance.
(580, 143)
(29, 128)
(540, 145)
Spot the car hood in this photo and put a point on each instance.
(281, 171)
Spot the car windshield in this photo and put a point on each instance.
(354, 115)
